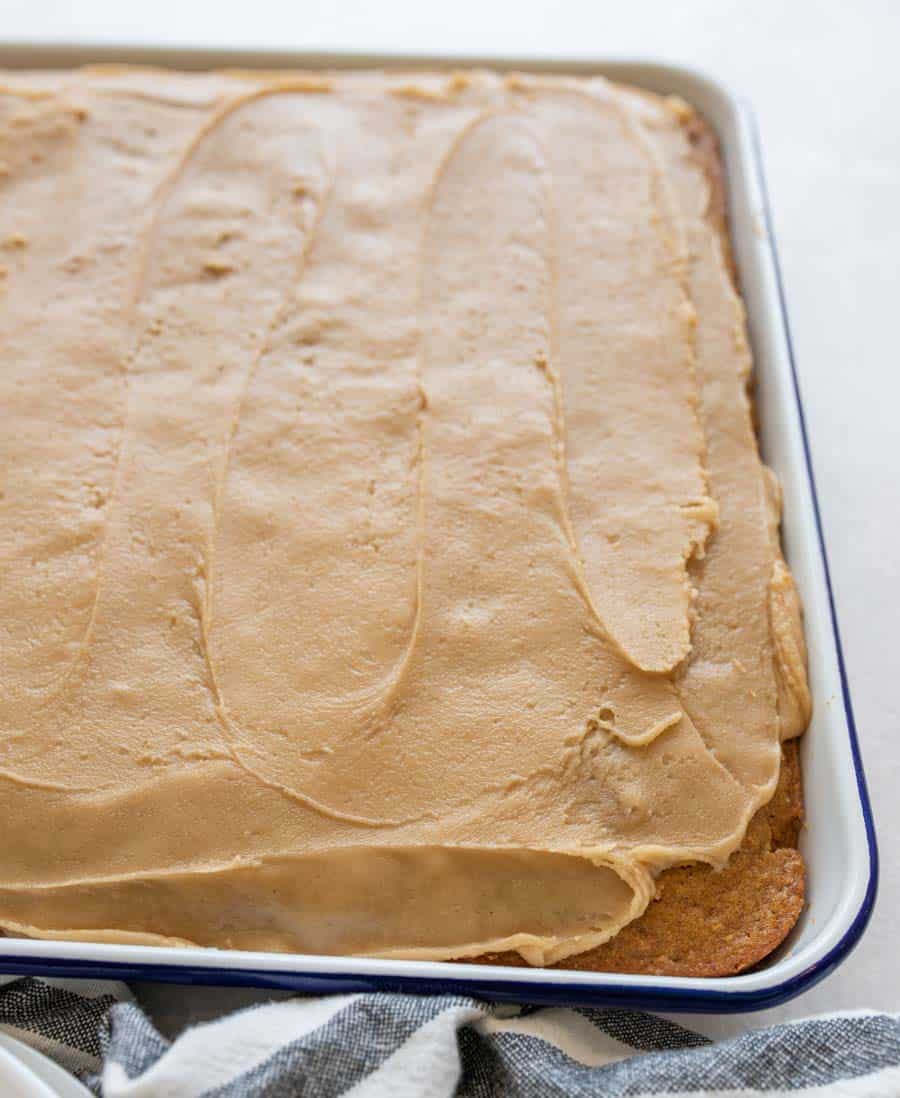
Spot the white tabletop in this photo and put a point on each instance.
(819, 77)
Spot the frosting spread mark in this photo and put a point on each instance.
(63, 476)
(627, 492)
(351, 527)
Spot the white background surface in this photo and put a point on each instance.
(825, 84)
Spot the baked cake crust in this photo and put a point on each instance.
(707, 922)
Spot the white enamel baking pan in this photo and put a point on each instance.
(838, 843)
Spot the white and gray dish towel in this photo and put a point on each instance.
(404, 1046)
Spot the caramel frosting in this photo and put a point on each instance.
(386, 562)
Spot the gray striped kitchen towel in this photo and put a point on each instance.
(401, 1046)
